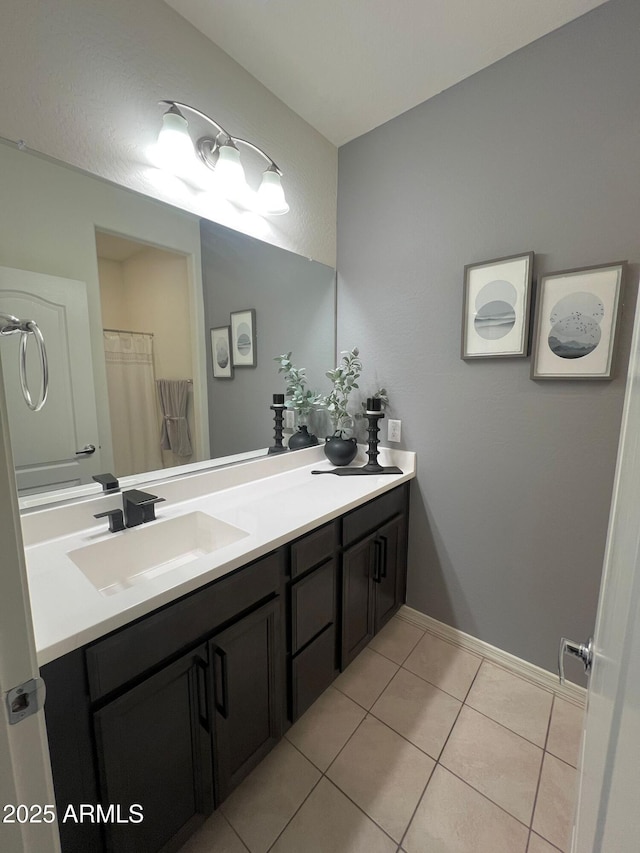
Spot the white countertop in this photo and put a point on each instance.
(274, 500)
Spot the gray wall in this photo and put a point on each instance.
(540, 152)
(294, 299)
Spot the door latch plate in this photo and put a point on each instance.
(24, 700)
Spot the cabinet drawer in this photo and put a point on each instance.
(367, 518)
(312, 604)
(312, 671)
(314, 548)
(127, 654)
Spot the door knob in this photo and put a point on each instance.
(87, 450)
(584, 651)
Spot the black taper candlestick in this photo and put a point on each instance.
(278, 418)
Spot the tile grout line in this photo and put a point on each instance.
(437, 761)
(317, 782)
(233, 829)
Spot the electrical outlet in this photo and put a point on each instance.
(394, 430)
(289, 419)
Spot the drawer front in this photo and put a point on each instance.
(312, 604)
(312, 671)
(369, 517)
(313, 549)
(127, 654)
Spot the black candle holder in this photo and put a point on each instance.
(372, 466)
(278, 417)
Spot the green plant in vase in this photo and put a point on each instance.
(339, 447)
(300, 399)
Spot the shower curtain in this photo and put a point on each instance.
(132, 402)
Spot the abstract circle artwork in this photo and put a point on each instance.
(575, 325)
(495, 309)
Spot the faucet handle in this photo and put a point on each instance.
(139, 507)
(108, 482)
(116, 519)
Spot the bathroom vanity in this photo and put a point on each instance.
(164, 690)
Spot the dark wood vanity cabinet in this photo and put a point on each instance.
(374, 561)
(172, 711)
(312, 636)
(153, 747)
(246, 667)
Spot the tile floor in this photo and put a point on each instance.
(418, 747)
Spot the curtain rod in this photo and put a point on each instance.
(128, 332)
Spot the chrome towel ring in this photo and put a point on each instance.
(10, 325)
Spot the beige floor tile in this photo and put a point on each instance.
(417, 710)
(495, 761)
(262, 805)
(448, 667)
(328, 822)
(397, 639)
(565, 731)
(383, 774)
(512, 701)
(215, 836)
(453, 818)
(539, 845)
(553, 818)
(324, 729)
(366, 677)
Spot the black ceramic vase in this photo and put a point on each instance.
(302, 438)
(340, 451)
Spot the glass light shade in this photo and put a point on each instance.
(271, 197)
(229, 172)
(174, 146)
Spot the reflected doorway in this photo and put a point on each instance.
(144, 298)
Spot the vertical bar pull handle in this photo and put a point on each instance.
(222, 686)
(584, 651)
(377, 545)
(383, 557)
(203, 693)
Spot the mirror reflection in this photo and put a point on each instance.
(126, 294)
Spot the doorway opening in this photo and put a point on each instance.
(145, 304)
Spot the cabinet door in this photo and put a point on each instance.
(357, 599)
(388, 570)
(154, 749)
(246, 660)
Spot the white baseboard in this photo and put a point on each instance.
(529, 671)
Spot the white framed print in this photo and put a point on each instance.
(221, 352)
(496, 305)
(243, 338)
(576, 321)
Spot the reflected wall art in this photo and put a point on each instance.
(576, 320)
(495, 315)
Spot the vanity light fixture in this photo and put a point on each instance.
(220, 154)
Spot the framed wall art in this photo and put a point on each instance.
(221, 352)
(495, 314)
(243, 338)
(576, 322)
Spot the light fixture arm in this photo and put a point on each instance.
(230, 139)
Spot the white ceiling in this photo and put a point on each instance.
(347, 66)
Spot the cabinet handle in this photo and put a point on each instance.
(383, 557)
(377, 544)
(203, 693)
(223, 706)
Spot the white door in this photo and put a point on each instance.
(608, 813)
(48, 445)
(25, 774)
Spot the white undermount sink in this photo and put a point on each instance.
(145, 552)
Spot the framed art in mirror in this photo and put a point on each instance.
(243, 338)
(221, 352)
(576, 321)
(496, 304)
